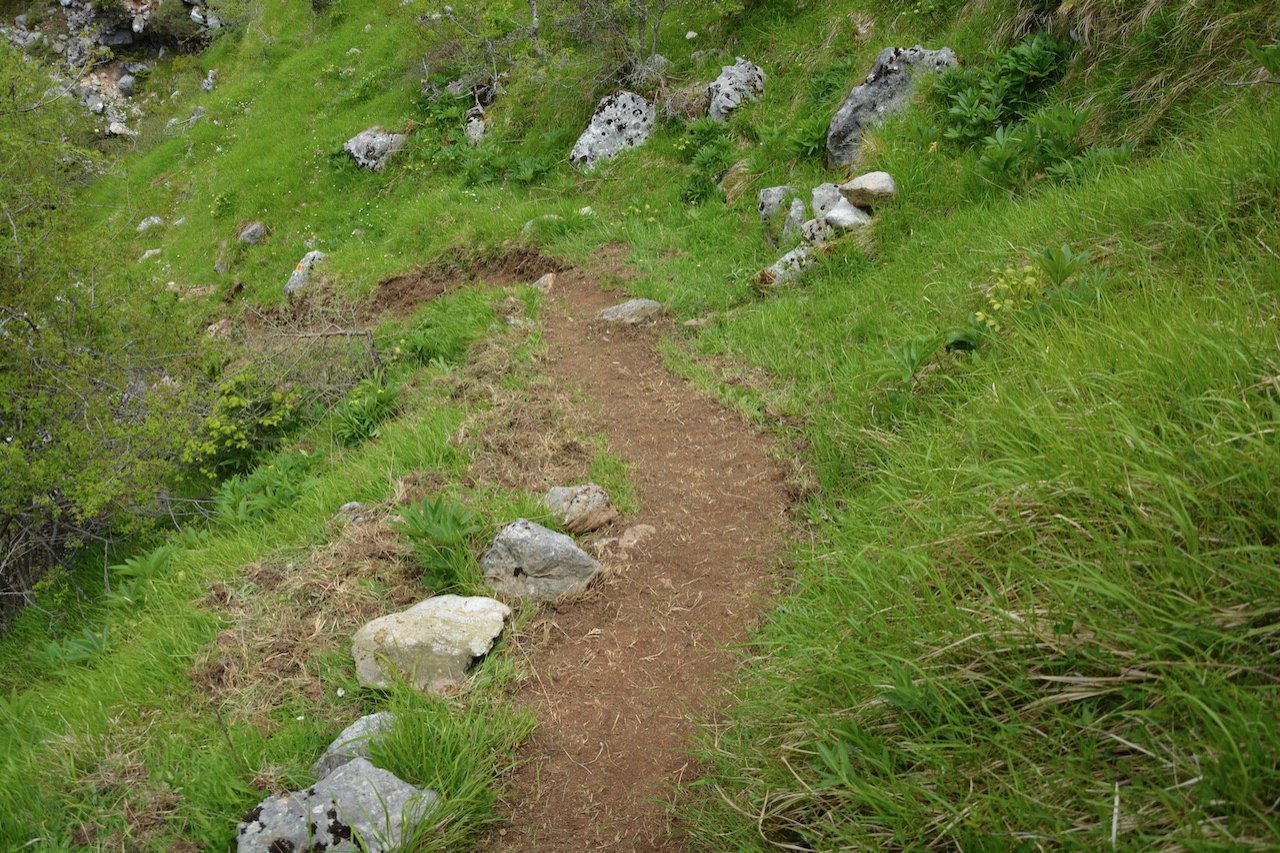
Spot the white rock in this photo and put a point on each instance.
(773, 199)
(825, 197)
(149, 223)
(372, 148)
(432, 644)
(545, 284)
(582, 508)
(787, 268)
(846, 217)
(302, 272)
(870, 189)
(148, 255)
(355, 801)
(743, 81)
(795, 220)
(354, 742)
(632, 312)
(621, 121)
(815, 231)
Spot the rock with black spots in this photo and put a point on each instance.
(738, 83)
(356, 807)
(622, 120)
(529, 561)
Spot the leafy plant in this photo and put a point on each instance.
(270, 488)
(443, 533)
(908, 358)
(361, 415)
(247, 418)
(977, 103)
(1268, 57)
(1061, 264)
(81, 648)
(132, 579)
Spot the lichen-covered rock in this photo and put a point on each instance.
(886, 90)
(302, 272)
(772, 200)
(356, 807)
(372, 148)
(354, 742)
(254, 233)
(621, 121)
(737, 83)
(786, 269)
(476, 127)
(582, 508)
(529, 561)
(815, 231)
(633, 312)
(870, 189)
(795, 221)
(432, 644)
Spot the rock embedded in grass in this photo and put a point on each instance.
(302, 272)
(529, 561)
(372, 148)
(354, 742)
(582, 508)
(632, 312)
(622, 120)
(355, 801)
(772, 200)
(786, 269)
(149, 223)
(870, 189)
(432, 644)
(791, 228)
(886, 90)
(738, 83)
(253, 233)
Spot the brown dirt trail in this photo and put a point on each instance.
(621, 670)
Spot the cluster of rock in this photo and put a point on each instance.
(837, 210)
(625, 119)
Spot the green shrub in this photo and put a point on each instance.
(361, 415)
(444, 534)
(270, 488)
(248, 419)
(978, 102)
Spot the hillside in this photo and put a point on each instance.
(961, 532)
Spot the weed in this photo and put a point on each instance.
(444, 534)
(360, 416)
(245, 499)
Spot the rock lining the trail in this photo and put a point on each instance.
(354, 742)
(870, 189)
(582, 508)
(355, 801)
(432, 644)
(633, 312)
(529, 561)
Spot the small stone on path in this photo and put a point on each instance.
(632, 312)
(581, 509)
(529, 561)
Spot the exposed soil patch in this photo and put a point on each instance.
(619, 672)
(404, 293)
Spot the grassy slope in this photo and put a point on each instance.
(1043, 574)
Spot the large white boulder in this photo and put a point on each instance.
(432, 644)
(622, 120)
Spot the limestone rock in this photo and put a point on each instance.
(149, 223)
(846, 217)
(254, 233)
(737, 83)
(870, 189)
(786, 269)
(545, 284)
(353, 743)
(632, 312)
(886, 90)
(373, 147)
(795, 221)
(210, 80)
(816, 231)
(772, 200)
(432, 644)
(581, 509)
(825, 198)
(302, 272)
(621, 121)
(529, 561)
(476, 127)
(356, 803)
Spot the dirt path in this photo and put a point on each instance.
(622, 670)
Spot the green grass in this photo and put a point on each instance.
(1040, 577)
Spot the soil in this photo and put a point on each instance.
(622, 672)
(403, 294)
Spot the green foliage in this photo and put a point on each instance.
(359, 417)
(1267, 57)
(978, 102)
(709, 148)
(271, 487)
(247, 419)
(133, 580)
(444, 534)
(84, 647)
(1061, 264)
